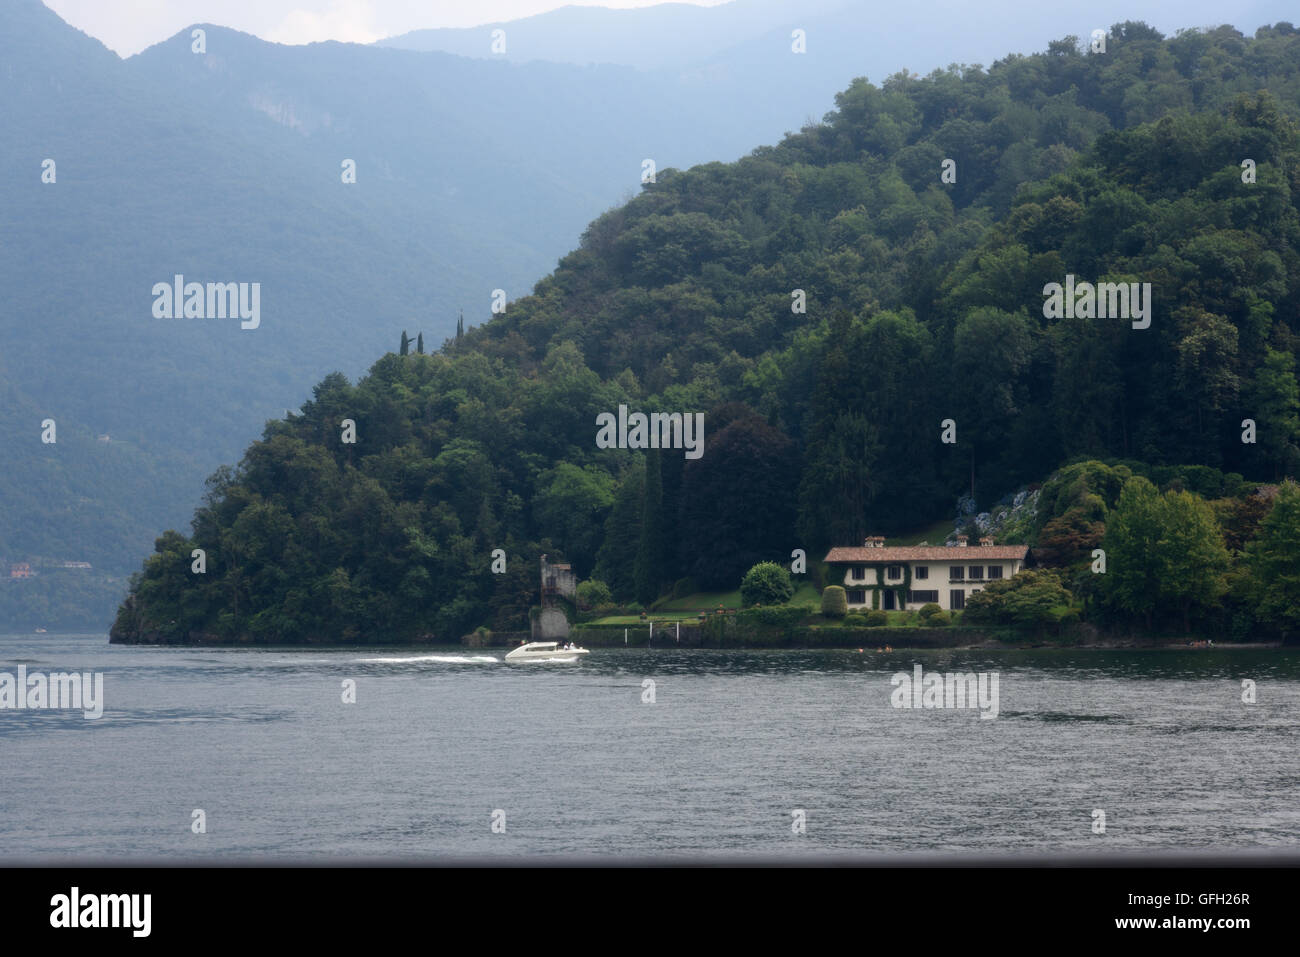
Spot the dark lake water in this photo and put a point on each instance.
(734, 742)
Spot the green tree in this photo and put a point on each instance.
(593, 593)
(749, 469)
(648, 572)
(616, 560)
(1032, 598)
(1132, 584)
(570, 506)
(1206, 377)
(1192, 558)
(991, 349)
(1273, 401)
(839, 484)
(767, 583)
(1164, 553)
(1273, 563)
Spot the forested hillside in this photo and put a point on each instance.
(924, 303)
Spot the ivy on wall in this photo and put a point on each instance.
(900, 590)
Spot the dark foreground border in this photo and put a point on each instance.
(927, 903)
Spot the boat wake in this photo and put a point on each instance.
(444, 659)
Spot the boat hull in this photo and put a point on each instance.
(547, 653)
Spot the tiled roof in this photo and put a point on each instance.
(927, 553)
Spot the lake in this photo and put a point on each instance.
(572, 759)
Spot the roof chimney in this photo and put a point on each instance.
(961, 541)
(986, 542)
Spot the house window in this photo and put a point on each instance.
(923, 596)
(975, 573)
(894, 572)
(857, 596)
(922, 572)
(957, 599)
(956, 573)
(995, 571)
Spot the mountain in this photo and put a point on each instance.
(921, 227)
(226, 165)
(740, 54)
(665, 36)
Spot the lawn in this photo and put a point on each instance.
(638, 620)
(701, 601)
(689, 608)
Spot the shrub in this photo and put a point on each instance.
(593, 593)
(876, 618)
(835, 604)
(856, 619)
(767, 583)
(635, 608)
(939, 620)
(929, 610)
(1024, 600)
(778, 616)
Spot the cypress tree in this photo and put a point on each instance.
(406, 344)
(419, 343)
(649, 555)
(616, 560)
(460, 327)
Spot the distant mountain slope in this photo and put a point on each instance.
(665, 36)
(225, 166)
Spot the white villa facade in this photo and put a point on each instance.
(906, 577)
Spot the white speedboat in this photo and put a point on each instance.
(546, 651)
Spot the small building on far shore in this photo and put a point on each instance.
(905, 577)
(558, 581)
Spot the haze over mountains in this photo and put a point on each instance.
(473, 174)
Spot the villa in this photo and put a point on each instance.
(907, 577)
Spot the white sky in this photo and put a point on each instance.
(128, 26)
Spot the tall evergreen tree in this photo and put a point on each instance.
(750, 471)
(406, 344)
(419, 343)
(616, 560)
(649, 556)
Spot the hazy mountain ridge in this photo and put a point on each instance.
(472, 176)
